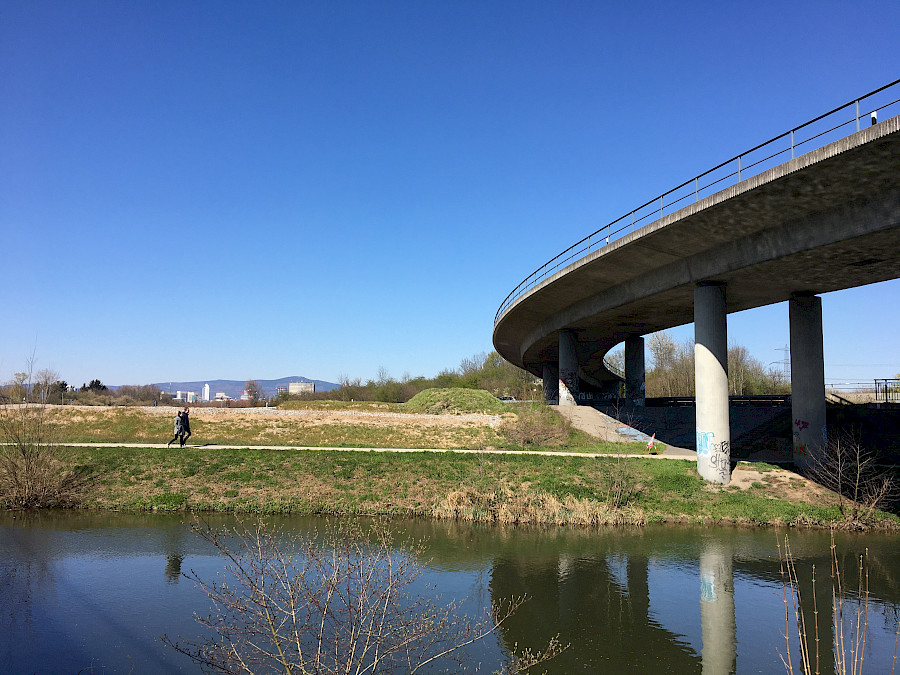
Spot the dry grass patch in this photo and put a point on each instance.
(780, 484)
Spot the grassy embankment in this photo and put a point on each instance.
(483, 486)
(346, 424)
(534, 488)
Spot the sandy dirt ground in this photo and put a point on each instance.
(330, 417)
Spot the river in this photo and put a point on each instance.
(92, 592)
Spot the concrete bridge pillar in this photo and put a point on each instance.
(711, 383)
(568, 368)
(634, 369)
(807, 378)
(551, 384)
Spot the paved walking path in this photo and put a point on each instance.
(465, 451)
(606, 428)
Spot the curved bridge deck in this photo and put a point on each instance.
(825, 221)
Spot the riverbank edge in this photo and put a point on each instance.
(480, 489)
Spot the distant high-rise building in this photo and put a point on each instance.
(206, 392)
(301, 387)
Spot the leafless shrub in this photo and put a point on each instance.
(537, 426)
(335, 603)
(847, 468)
(849, 616)
(619, 482)
(32, 474)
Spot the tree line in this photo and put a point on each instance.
(488, 371)
(671, 370)
(46, 386)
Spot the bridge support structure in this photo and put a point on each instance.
(634, 369)
(807, 379)
(550, 374)
(568, 368)
(711, 383)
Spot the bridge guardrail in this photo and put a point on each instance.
(887, 391)
(815, 133)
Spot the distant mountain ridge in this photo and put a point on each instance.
(234, 388)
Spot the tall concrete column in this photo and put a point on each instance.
(551, 384)
(634, 369)
(711, 383)
(568, 369)
(807, 378)
(717, 620)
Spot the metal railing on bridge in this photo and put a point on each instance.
(809, 136)
(887, 391)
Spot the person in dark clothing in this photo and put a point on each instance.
(185, 426)
(178, 429)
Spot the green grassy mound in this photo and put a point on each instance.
(455, 402)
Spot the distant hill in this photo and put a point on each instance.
(234, 388)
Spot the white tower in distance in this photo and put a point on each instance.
(206, 392)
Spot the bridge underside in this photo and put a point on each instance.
(822, 222)
(826, 221)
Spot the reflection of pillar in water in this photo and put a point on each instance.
(717, 609)
(173, 567)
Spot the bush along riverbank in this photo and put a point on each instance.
(474, 487)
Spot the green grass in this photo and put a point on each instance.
(132, 425)
(335, 482)
(521, 488)
(456, 401)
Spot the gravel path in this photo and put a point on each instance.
(463, 451)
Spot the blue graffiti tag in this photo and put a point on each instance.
(704, 442)
(708, 588)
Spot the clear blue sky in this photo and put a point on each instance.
(195, 190)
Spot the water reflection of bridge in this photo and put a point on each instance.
(647, 600)
(614, 605)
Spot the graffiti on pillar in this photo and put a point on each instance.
(704, 442)
(568, 385)
(595, 396)
(800, 447)
(720, 461)
(708, 588)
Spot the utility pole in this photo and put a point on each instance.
(786, 362)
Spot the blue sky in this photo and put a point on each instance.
(195, 190)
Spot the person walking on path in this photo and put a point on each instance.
(178, 430)
(185, 426)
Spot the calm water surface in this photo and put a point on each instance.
(93, 592)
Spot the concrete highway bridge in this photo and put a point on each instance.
(802, 224)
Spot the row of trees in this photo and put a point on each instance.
(671, 370)
(490, 372)
(670, 373)
(46, 386)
